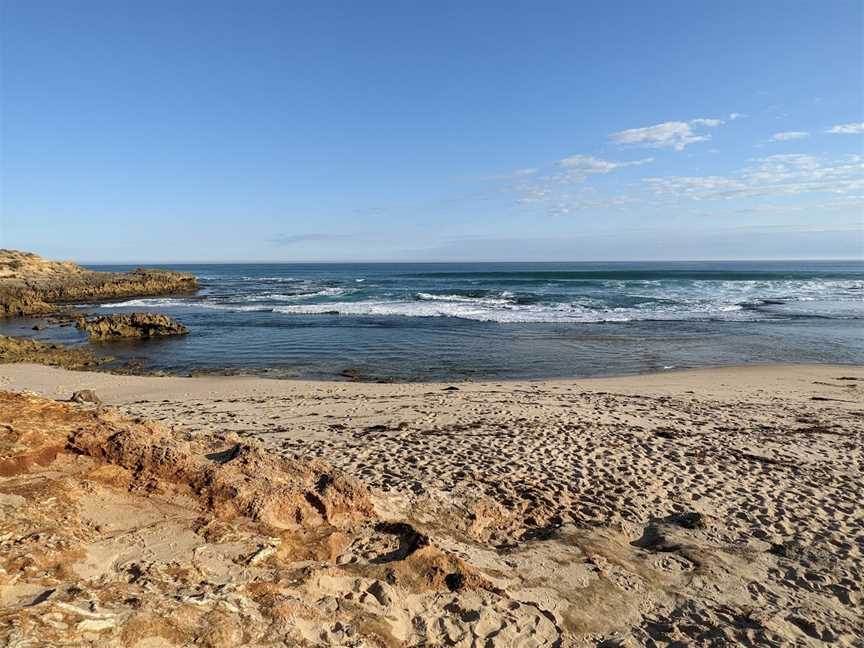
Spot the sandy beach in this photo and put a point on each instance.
(421, 325)
(714, 506)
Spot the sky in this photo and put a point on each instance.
(431, 131)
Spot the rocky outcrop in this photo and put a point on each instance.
(122, 533)
(31, 285)
(16, 300)
(55, 355)
(26, 265)
(130, 325)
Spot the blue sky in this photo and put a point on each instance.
(171, 131)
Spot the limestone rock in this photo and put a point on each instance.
(86, 396)
(57, 355)
(31, 285)
(130, 325)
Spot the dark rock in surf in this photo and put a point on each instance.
(130, 325)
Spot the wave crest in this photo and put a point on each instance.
(512, 313)
(465, 299)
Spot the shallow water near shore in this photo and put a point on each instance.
(497, 321)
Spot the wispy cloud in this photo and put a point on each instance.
(579, 167)
(293, 239)
(513, 175)
(704, 121)
(696, 187)
(560, 203)
(847, 129)
(787, 136)
(561, 189)
(775, 175)
(673, 134)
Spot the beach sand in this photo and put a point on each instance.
(714, 506)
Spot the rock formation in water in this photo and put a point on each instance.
(31, 285)
(130, 325)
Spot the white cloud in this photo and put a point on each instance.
(733, 116)
(580, 167)
(775, 175)
(847, 129)
(778, 168)
(559, 204)
(789, 135)
(703, 121)
(697, 187)
(562, 192)
(674, 134)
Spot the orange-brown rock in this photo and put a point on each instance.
(124, 534)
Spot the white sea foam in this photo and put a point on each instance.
(490, 301)
(233, 307)
(270, 279)
(510, 313)
(627, 301)
(154, 302)
(285, 297)
(182, 303)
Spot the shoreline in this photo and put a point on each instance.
(26, 370)
(270, 409)
(66, 353)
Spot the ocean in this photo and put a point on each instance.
(454, 321)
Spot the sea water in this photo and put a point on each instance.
(449, 321)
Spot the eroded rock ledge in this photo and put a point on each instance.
(52, 354)
(130, 325)
(130, 534)
(31, 285)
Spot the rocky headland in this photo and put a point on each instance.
(32, 285)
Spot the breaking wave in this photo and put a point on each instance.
(295, 296)
(465, 299)
(154, 302)
(509, 313)
(609, 299)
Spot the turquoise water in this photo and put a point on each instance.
(509, 320)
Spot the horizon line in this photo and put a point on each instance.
(346, 262)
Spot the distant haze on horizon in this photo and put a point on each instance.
(492, 131)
